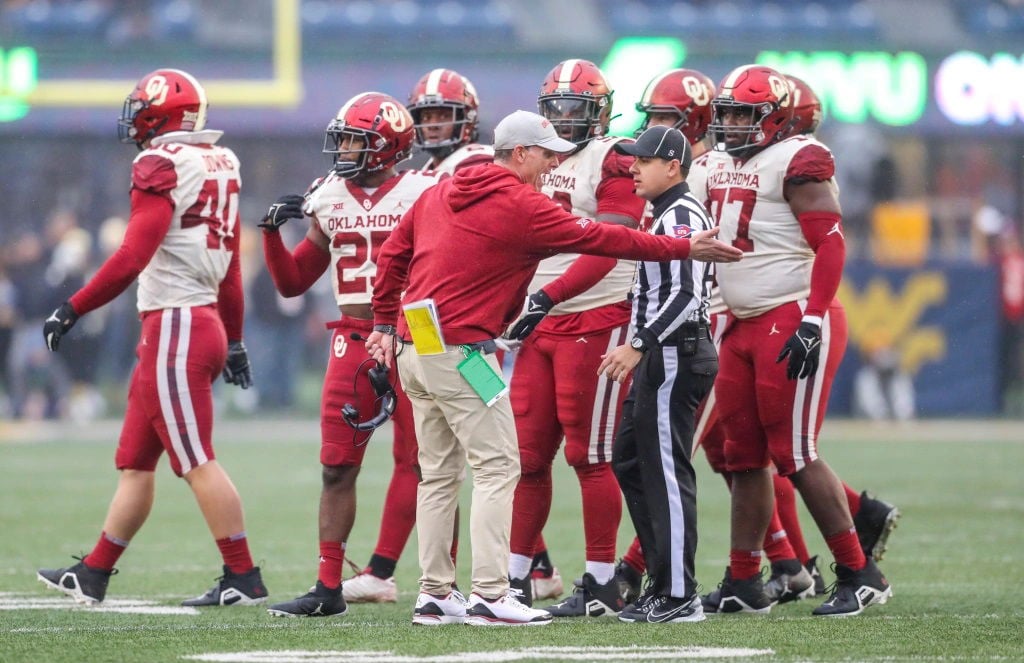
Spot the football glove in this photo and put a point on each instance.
(237, 369)
(59, 323)
(537, 306)
(804, 350)
(286, 207)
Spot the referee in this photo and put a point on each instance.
(675, 365)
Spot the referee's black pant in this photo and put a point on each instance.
(651, 459)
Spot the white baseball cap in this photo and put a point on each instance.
(528, 129)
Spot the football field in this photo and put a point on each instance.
(956, 561)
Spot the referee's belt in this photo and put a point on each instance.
(688, 330)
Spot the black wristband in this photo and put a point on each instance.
(385, 329)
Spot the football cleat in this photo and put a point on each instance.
(320, 601)
(368, 588)
(590, 599)
(522, 590)
(86, 585)
(503, 611)
(660, 609)
(819, 581)
(789, 581)
(875, 521)
(629, 580)
(546, 585)
(433, 610)
(233, 589)
(855, 590)
(738, 596)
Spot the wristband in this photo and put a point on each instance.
(386, 329)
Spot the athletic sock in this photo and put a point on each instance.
(846, 549)
(106, 552)
(332, 554)
(234, 550)
(382, 567)
(744, 564)
(785, 505)
(776, 543)
(852, 498)
(518, 566)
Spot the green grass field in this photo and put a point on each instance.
(956, 562)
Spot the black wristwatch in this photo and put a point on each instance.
(385, 329)
(638, 344)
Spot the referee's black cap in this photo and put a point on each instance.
(661, 142)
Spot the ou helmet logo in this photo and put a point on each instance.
(781, 89)
(396, 116)
(156, 90)
(699, 92)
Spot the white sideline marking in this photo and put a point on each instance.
(9, 601)
(526, 654)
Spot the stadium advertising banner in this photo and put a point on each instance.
(927, 333)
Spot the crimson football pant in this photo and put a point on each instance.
(557, 392)
(652, 460)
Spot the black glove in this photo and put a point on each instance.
(59, 323)
(537, 306)
(237, 369)
(803, 349)
(286, 207)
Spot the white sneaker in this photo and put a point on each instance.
(504, 611)
(368, 588)
(547, 587)
(431, 610)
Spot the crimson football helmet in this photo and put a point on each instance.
(445, 89)
(163, 101)
(806, 108)
(382, 125)
(577, 100)
(685, 93)
(762, 93)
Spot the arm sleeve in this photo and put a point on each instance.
(824, 234)
(231, 296)
(293, 273)
(393, 269)
(147, 225)
(615, 194)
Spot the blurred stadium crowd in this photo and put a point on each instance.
(65, 193)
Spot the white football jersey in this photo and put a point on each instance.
(573, 185)
(202, 181)
(357, 222)
(473, 151)
(746, 199)
(697, 179)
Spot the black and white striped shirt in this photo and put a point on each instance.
(667, 294)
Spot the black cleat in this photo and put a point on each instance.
(521, 590)
(738, 596)
(233, 589)
(84, 584)
(320, 601)
(789, 581)
(590, 599)
(659, 609)
(855, 590)
(819, 581)
(875, 521)
(629, 580)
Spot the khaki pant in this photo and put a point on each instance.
(454, 426)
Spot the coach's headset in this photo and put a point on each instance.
(379, 379)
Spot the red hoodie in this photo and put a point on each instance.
(472, 244)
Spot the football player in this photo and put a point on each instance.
(577, 312)
(445, 113)
(352, 211)
(182, 243)
(774, 196)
